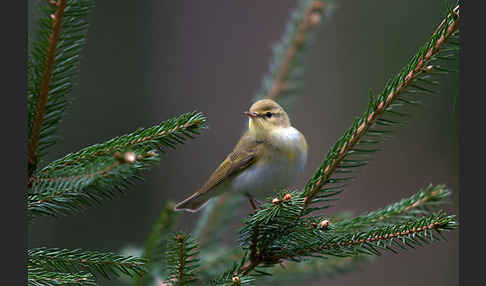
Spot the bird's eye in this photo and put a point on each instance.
(268, 114)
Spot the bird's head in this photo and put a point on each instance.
(265, 116)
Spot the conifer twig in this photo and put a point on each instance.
(380, 106)
(37, 276)
(182, 261)
(421, 199)
(310, 20)
(128, 157)
(65, 260)
(57, 18)
(97, 171)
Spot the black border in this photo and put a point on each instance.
(14, 141)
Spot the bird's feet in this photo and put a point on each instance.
(253, 202)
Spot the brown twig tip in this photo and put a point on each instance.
(130, 157)
(287, 197)
(428, 68)
(324, 224)
(317, 5)
(127, 157)
(314, 19)
(236, 280)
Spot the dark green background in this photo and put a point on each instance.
(147, 61)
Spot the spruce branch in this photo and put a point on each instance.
(409, 234)
(100, 171)
(315, 268)
(156, 245)
(404, 209)
(182, 261)
(405, 234)
(77, 260)
(52, 65)
(288, 52)
(422, 67)
(285, 235)
(57, 18)
(231, 278)
(41, 277)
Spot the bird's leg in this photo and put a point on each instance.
(252, 201)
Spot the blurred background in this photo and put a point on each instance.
(147, 61)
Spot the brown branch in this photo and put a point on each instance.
(255, 257)
(180, 239)
(363, 128)
(40, 109)
(434, 225)
(415, 205)
(128, 157)
(140, 140)
(310, 20)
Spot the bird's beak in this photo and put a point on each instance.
(251, 114)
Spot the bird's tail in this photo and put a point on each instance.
(193, 203)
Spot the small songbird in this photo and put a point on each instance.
(267, 158)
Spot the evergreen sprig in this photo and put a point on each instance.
(42, 277)
(230, 278)
(84, 178)
(53, 65)
(156, 245)
(418, 77)
(277, 232)
(182, 261)
(316, 242)
(313, 268)
(409, 234)
(417, 204)
(286, 67)
(82, 261)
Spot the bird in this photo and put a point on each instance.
(267, 158)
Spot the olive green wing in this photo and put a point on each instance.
(243, 155)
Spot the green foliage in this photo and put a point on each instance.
(182, 262)
(68, 185)
(100, 171)
(82, 261)
(284, 77)
(156, 246)
(329, 267)
(418, 204)
(43, 277)
(417, 78)
(72, 39)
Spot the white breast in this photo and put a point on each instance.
(266, 177)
